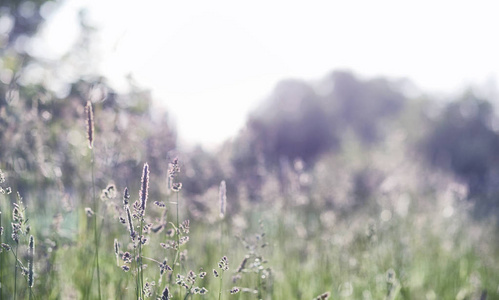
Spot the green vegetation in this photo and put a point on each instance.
(346, 189)
(313, 231)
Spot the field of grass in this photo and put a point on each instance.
(406, 234)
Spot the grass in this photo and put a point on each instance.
(410, 237)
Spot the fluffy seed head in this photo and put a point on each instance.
(90, 124)
(223, 198)
(243, 264)
(126, 197)
(173, 171)
(129, 221)
(30, 260)
(117, 251)
(144, 187)
(174, 168)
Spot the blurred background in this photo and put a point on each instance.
(347, 117)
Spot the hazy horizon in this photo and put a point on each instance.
(224, 57)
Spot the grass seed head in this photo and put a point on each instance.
(130, 222)
(89, 212)
(30, 260)
(166, 294)
(144, 187)
(323, 296)
(117, 250)
(223, 198)
(90, 124)
(243, 264)
(126, 197)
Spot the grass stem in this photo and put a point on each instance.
(96, 235)
(1, 258)
(15, 273)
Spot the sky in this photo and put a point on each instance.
(211, 62)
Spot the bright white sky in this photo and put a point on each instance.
(211, 62)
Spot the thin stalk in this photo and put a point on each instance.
(1, 258)
(137, 290)
(152, 259)
(30, 266)
(18, 262)
(15, 274)
(96, 236)
(101, 229)
(220, 287)
(221, 254)
(222, 237)
(259, 285)
(177, 232)
(140, 271)
(188, 292)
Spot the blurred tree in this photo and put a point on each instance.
(293, 124)
(464, 141)
(302, 121)
(20, 20)
(362, 105)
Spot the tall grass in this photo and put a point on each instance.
(90, 138)
(408, 237)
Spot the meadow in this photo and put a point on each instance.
(362, 223)
(344, 187)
